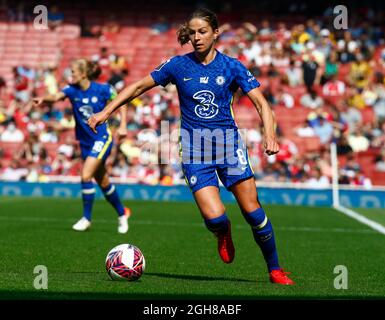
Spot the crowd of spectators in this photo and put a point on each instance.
(335, 77)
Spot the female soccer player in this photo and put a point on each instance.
(87, 97)
(206, 81)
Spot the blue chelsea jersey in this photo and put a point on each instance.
(205, 91)
(84, 104)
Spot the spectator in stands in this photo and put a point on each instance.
(317, 180)
(324, 130)
(3, 87)
(343, 146)
(48, 135)
(68, 121)
(310, 71)
(331, 67)
(351, 116)
(360, 71)
(311, 100)
(380, 161)
(120, 167)
(55, 17)
(357, 140)
(346, 46)
(360, 179)
(14, 172)
(22, 86)
(265, 29)
(103, 59)
(12, 134)
(5, 113)
(161, 26)
(333, 87)
(50, 81)
(293, 75)
(304, 130)
(285, 98)
(355, 98)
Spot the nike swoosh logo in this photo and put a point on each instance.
(187, 79)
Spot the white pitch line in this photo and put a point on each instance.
(183, 224)
(360, 218)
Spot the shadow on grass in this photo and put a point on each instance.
(196, 277)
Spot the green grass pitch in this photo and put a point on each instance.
(181, 257)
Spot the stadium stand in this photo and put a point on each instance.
(128, 46)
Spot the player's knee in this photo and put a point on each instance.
(250, 206)
(214, 211)
(86, 177)
(103, 183)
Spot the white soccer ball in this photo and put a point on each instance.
(125, 262)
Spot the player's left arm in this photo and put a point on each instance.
(122, 130)
(270, 142)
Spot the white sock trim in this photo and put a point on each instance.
(260, 226)
(112, 189)
(88, 191)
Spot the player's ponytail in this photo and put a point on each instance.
(93, 70)
(183, 34)
(90, 69)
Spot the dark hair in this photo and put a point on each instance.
(201, 13)
(91, 69)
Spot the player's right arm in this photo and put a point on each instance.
(38, 101)
(126, 95)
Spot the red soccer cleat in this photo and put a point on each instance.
(279, 276)
(127, 212)
(226, 248)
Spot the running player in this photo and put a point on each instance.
(87, 97)
(206, 81)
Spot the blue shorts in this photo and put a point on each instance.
(99, 149)
(201, 175)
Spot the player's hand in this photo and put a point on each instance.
(96, 119)
(122, 132)
(37, 102)
(270, 145)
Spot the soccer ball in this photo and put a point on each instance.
(125, 262)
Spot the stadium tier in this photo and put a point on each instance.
(324, 86)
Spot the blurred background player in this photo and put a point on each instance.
(87, 97)
(206, 81)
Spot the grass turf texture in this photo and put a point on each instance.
(181, 255)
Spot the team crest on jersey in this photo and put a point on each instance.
(220, 80)
(206, 109)
(94, 99)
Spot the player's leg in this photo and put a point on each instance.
(112, 196)
(246, 195)
(90, 166)
(214, 214)
(203, 182)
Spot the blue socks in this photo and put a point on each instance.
(264, 236)
(217, 225)
(88, 196)
(112, 197)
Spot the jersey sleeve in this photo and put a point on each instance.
(68, 91)
(111, 93)
(164, 74)
(244, 78)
